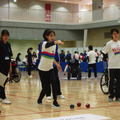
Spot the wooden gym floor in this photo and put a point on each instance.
(24, 96)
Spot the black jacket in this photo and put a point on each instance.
(29, 58)
(3, 52)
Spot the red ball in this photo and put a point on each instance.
(87, 105)
(99, 7)
(78, 104)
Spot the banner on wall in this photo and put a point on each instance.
(48, 12)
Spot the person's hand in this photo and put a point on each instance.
(64, 73)
(59, 42)
(9, 76)
(59, 67)
(10, 71)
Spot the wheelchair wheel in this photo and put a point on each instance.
(68, 73)
(17, 75)
(104, 83)
(79, 76)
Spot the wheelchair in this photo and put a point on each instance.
(74, 71)
(104, 82)
(15, 76)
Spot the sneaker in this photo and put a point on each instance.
(1, 99)
(110, 99)
(30, 76)
(39, 102)
(62, 96)
(6, 101)
(55, 104)
(48, 97)
(117, 100)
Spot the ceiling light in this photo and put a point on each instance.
(14, 0)
(84, 10)
(66, 1)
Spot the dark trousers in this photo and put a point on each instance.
(4, 70)
(114, 85)
(34, 67)
(47, 78)
(57, 84)
(90, 66)
(29, 69)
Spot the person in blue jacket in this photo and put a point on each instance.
(59, 93)
(46, 72)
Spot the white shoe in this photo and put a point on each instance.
(6, 101)
(48, 97)
(1, 99)
(30, 76)
(62, 96)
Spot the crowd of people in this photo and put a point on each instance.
(48, 54)
(30, 60)
(82, 57)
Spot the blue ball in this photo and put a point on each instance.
(72, 106)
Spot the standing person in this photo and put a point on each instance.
(34, 64)
(59, 93)
(105, 62)
(113, 50)
(81, 57)
(25, 60)
(29, 61)
(46, 71)
(68, 56)
(76, 56)
(34, 54)
(97, 55)
(91, 61)
(34, 61)
(85, 56)
(5, 64)
(18, 58)
(100, 57)
(62, 56)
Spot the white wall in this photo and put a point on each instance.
(34, 10)
(4, 9)
(111, 12)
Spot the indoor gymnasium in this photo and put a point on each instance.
(59, 59)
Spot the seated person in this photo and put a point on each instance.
(71, 63)
(25, 60)
(18, 58)
(34, 61)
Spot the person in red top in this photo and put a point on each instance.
(81, 57)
